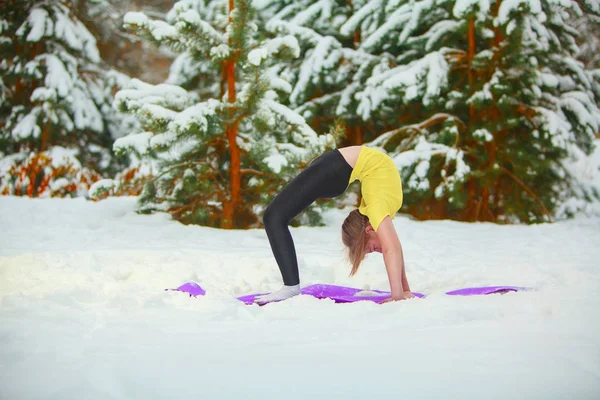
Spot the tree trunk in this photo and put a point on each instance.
(471, 201)
(470, 56)
(231, 204)
(498, 37)
(354, 135)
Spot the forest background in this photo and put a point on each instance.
(206, 108)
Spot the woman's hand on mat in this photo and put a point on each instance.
(390, 299)
(405, 296)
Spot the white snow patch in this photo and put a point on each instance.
(83, 310)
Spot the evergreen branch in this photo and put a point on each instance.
(528, 190)
(173, 181)
(527, 111)
(145, 32)
(176, 211)
(420, 127)
(192, 23)
(181, 165)
(319, 101)
(206, 41)
(239, 118)
(255, 172)
(455, 57)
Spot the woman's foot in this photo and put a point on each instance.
(284, 293)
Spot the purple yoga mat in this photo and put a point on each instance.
(339, 294)
(475, 291)
(192, 288)
(343, 294)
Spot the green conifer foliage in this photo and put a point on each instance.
(489, 101)
(330, 71)
(481, 103)
(55, 108)
(221, 142)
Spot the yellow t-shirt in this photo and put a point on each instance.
(380, 185)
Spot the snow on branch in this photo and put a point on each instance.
(273, 47)
(55, 22)
(306, 16)
(464, 7)
(422, 78)
(150, 114)
(175, 124)
(359, 16)
(418, 128)
(190, 21)
(28, 126)
(288, 115)
(306, 35)
(196, 117)
(419, 157)
(507, 7)
(303, 133)
(437, 32)
(586, 112)
(346, 98)
(397, 19)
(159, 30)
(75, 34)
(323, 58)
(278, 45)
(38, 25)
(577, 70)
(139, 143)
(58, 76)
(140, 93)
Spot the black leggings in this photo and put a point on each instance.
(326, 176)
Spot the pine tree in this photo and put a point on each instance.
(221, 142)
(329, 71)
(460, 92)
(56, 116)
(489, 101)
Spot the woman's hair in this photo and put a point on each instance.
(354, 237)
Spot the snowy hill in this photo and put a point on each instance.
(83, 311)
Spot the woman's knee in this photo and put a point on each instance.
(271, 216)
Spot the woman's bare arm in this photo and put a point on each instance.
(393, 258)
(405, 284)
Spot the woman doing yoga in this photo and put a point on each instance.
(365, 230)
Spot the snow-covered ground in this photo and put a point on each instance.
(83, 314)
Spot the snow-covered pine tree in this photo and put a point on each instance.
(345, 45)
(55, 113)
(221, 142)
(489, 101)
(329, 71)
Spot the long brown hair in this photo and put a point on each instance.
(354, 237)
